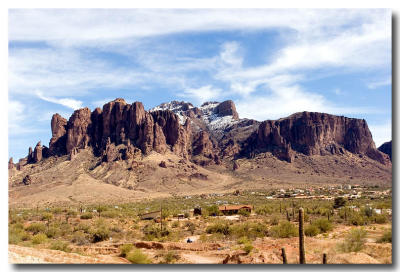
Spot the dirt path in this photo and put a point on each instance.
(195, 258)
(19, 254)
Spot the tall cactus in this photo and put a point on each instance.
(301, 237)
(324, 258)
(284, 260)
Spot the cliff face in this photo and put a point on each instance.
(313, 133)
(120, 130)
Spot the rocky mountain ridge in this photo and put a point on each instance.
(204, 135)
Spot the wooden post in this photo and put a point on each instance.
(284, 260)
(287, 216)
(324, 258)
(301, 237)
(280, 207)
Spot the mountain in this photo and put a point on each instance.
(177, 148)
(386, 148)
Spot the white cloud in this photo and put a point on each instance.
(203, 94)
(66, 102)
(379, 83)
(381, 133)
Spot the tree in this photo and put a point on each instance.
(339, 202)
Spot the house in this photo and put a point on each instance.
(234, 209)
(150, 215)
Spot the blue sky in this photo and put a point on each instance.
(271, 62)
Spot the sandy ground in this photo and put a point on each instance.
(27, 255)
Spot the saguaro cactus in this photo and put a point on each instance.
(284, 260)
(324, 258)
(301, 236)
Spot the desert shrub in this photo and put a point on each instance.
(339, 202)
(248, 247)
(79, 238)
(175, 224)
(47, 216)
(138, 257)
(100, 234)
(52, 232)
(251, 230)
(212, 210)
(354, 241)
(186, 215)
(36, 228)
(243, 240)
(219, 227)
(311, 230)
(82, 227)
(87, 215)
(323, 224)
(39, 238)
(264, 210)
(60, 245)
(386, 237)
(110, 214)
(17, 234)
(65, 229)
(244, 212)
(125, 249)
(367, 211)
(274, 220)
(380, 219)
(170, 257)
(191, 227)
(285, 229)
(357, 220)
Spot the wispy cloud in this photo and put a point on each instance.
(203, 94)
(66, 102)
(379, 83)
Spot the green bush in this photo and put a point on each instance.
(36, 228)
(87, 215)
(80, 238)
(248, 247)
(138, 257)
(39, 238)
(60, 245)
(170, 257)
(311, 230)
(380, 219)
(285, 229)
(274, 220)
(244, 212)
(83, 227)
(16, 235)
(110, 214)
(354, 241)
(52, 232)
(323, 224)
(100, 234)
(47, 216)
(243, 240)
(339, 202)
(125, 249)
(175, 224)
(386, 237)
(219, 227)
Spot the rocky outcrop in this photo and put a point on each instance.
(227, 108)
(386, 148)
(313, 133)
(57, 145)
(37, 153)
(209, 134)
(203, 145)
(78, 133)
(27, 180)
(11, 164)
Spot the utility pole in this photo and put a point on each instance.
(161, 217)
